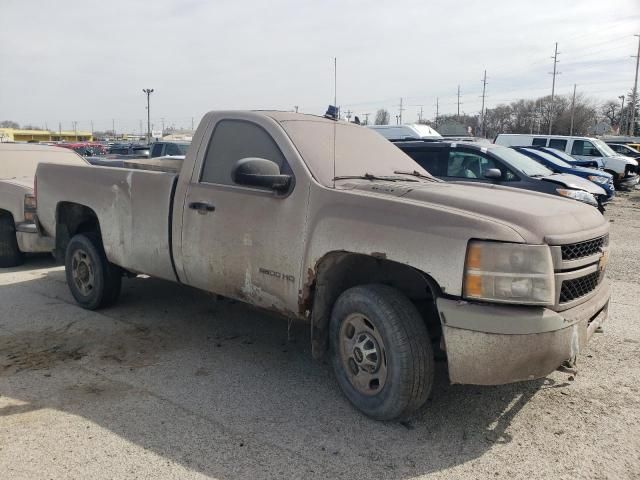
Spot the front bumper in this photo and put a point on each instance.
(497, 344)
(628, 182)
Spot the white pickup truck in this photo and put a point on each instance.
(329, 223)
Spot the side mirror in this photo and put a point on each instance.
(260, 172)
(493, 174)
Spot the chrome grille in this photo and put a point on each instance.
(578, 250)
(579, 287)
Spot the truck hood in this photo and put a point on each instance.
(535, 216)
(573, 181)
(26, 182)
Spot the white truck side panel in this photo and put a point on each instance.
(132, 207)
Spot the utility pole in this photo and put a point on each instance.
(632, 123)
(458, 115)
(140, 127)
(573, 106)
(192, 124)
(366, 118)
(621, 123)
(484, 89)
(92, 128)
(348, 115)
(400, 110)
(75, 129)
(162, 120)
(113, 127)
(148, 91)
(296, 108)
(437, 111)
(553, 87)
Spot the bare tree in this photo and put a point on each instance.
(382, 117)
(609, 111)
(9, 124)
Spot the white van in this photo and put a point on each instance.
(414, 131)
(624, 169)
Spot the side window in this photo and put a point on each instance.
(172, 149)
(584, 148)
(558, 144)
(539, 142)
(157, 150)
(468, 165)
(434, 162)
(231, 141)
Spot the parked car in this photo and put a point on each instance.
(18, 228)
(624, 149)
(562, 155)
(624, 169)
(173, 149)
(553, 163)
(488, 163)
(129, 150)
(329, 223)
(415, 131)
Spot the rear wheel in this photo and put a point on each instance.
(10, 254)
(94, 281)
(381, 351)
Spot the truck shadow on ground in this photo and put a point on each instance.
(227, 390)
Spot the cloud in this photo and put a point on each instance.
(89, 60)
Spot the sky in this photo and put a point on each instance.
(88, 61)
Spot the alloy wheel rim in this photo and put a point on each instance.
(82, 272)
(362, 354)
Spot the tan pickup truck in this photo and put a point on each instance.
(18, 232)
(329, 223)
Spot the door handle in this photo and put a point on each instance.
(202, 207)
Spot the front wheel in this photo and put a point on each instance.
(94, 281)
(381, 351)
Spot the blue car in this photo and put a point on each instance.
(595, 163)
(556, 164)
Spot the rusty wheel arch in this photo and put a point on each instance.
(337, 271)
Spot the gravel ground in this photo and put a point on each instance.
(171, 383)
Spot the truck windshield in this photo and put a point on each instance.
(605, 149)
(520, 162)
(358, 150)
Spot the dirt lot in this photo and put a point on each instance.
(174, 384)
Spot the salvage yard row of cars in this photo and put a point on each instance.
(330, 223)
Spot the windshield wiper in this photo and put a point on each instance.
(369, 176)
(415, 173)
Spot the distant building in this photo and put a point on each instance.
(18, 135)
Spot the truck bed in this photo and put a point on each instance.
(132, 206)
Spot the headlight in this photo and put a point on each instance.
(597, 179)
(579, 195)
(509, 273)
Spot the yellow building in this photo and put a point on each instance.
(17, 135)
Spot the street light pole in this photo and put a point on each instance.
(148, 91)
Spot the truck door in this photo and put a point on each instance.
(238, 241)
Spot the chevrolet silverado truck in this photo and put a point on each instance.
(18, 231)
(329, 223)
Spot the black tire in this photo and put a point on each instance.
(10, 254)
(405, 354)
(97, 284)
